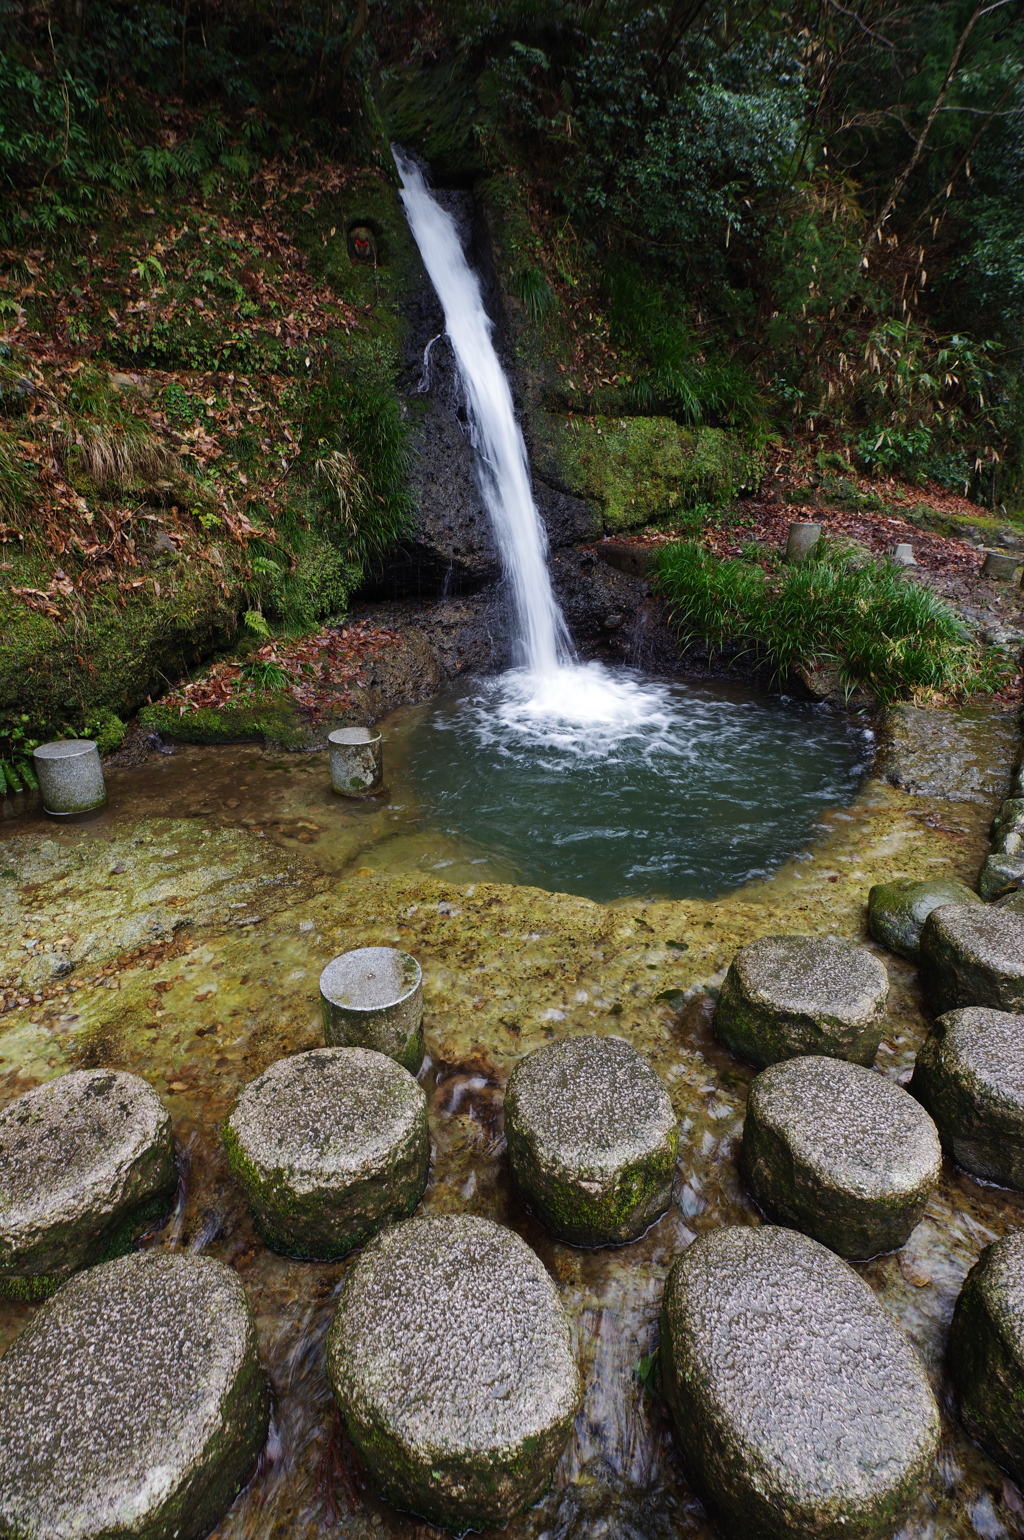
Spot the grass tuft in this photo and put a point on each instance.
(876, 625)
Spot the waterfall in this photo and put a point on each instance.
(549, 695)
(502, 465)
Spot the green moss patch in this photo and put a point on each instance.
(640, 470)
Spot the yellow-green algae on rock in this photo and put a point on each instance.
(224, 983)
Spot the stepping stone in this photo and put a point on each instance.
(973, 955)
(970, 1076)
(451, 1359)
(800, 1407)
(986, 1353)
(133, 1403)
(329, 1146)
(858, 1180)
(790, 995)
(591, 1139)
(897, 910)
(373, 998)
(86, 1165)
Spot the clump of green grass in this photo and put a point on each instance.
(878, 627)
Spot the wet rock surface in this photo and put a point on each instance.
(970, 1076)
(819, 1420)
(86, 1163)
(790, 995)
(329, 1146)
(986, 1353)
(467, 1436)
(897, 910)
(591, 1139)
(973, 955)
(857, 1180)
(133, 1403)
(946, 754)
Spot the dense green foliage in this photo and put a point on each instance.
(868, 619)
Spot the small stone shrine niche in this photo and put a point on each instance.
(362, 244)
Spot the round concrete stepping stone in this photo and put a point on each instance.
(800, 1407)
(790, 995)
(86, 1164)
(133, 1403)
(897, 910)
(970, 1076)
(591, 1139)
(857, 1180)
(986, 1353)
(451, 1359)
(373, 998)
(329, 1145)
(973, 955)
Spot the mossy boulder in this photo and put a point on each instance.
(973, 954)
(86, 1163)
(970, 1076)
(133, 1403)
(592, 1139)
(641, 469)
(858, 1180)
(986, 1353)
(897, 910)
(452, 1363)
(329, 1146)
(789, 995)
(800, 1407)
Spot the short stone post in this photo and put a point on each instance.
(903, 555)
(357, 761)
(802, 540)
(70, 776)
(373, 998)
(1000, 566)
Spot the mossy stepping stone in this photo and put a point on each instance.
(970, 1076)
(133, 1403)
(857, 1179)
(973, 954)
(86, 1164)
(897, 910)
(451, 1359)
(592, 1139)
(800, 1407)
(986, 1353)
(329, 1145)
(789, 995)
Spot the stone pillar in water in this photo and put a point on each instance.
(70, 776)
(802, 540)
(373, 998)
(357, 761)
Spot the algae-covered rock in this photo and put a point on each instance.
(857, 1180)
(132, 1404)
(970, 1076)
(897, 910)
(800, 1407)
(641, 468)
(1001, 872)
(329, 1145)
(973, 955)
(591, 1139)
(790, 995)
(986, 1353)
(86, 1163)
(451, 1359)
